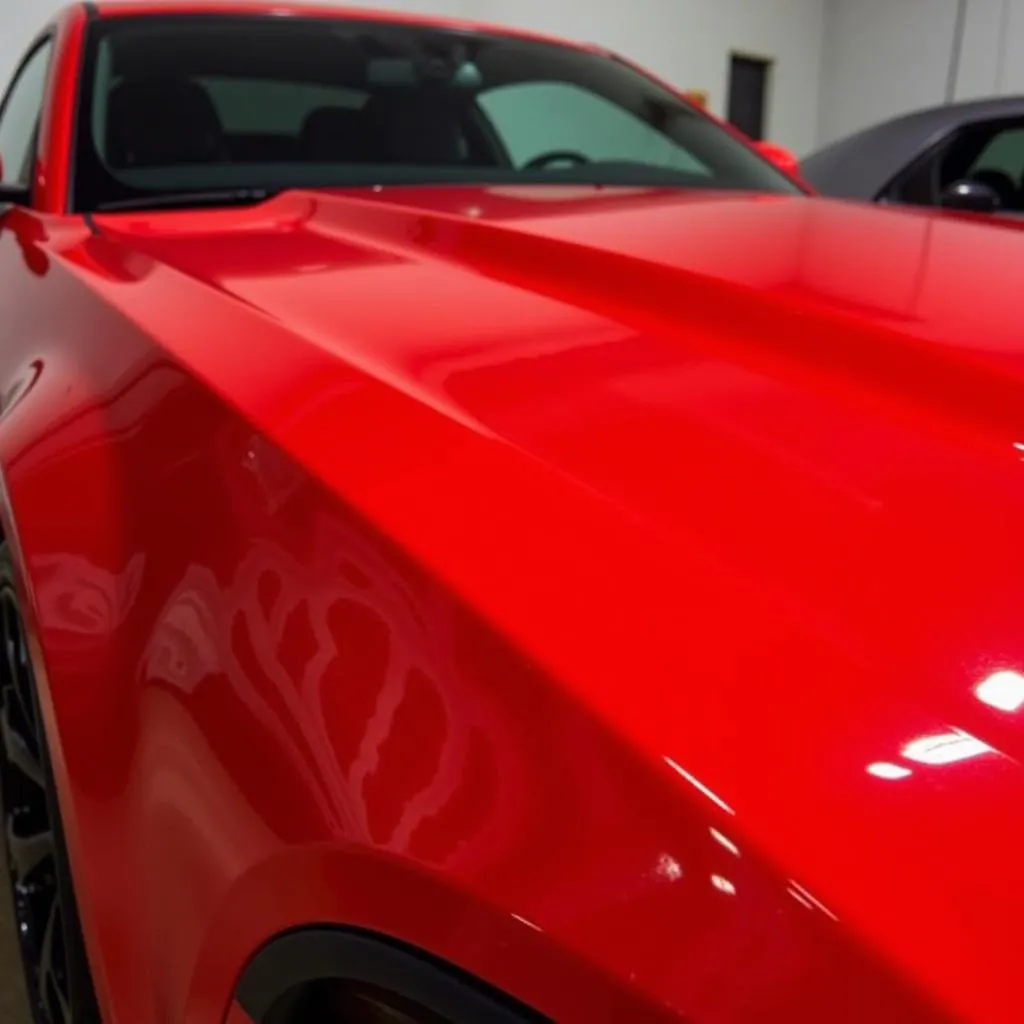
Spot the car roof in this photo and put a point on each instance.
(156, 8)
(861, 165)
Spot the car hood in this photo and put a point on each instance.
(743, 473)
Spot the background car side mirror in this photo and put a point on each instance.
(779, 157)
(972, 196)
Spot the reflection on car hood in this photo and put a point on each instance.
(744, 473)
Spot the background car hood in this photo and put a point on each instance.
(742, 473)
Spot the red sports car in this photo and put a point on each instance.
(482, 545)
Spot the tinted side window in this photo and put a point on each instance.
(20, 116)
(989, 152)
(1004, 152)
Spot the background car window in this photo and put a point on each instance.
(990, 153)
(20, 115)
(580, 122)
(1004, 152)
(918, 185)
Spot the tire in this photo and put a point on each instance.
(49, 934)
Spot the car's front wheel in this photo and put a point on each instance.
(45, 914)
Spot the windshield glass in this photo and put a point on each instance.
(173, 105)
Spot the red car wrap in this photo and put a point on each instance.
(604, 600)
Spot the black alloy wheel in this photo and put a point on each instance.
(49, 936)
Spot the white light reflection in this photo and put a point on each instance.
(669, 867)
(888, 770)
(803, 900)
(527, 922)
(945, 748)
(725, 841)
(723, 885)
(1003, 691)
(801, 895)
(697, 784)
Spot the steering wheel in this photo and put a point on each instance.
(554, 156)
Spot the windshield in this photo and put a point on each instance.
(244, 105)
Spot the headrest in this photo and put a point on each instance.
(418, 131)
(158, 121)
(337, 135)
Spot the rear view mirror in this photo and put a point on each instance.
(779, 157)
(969, 195)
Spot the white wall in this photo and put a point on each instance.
(886, 57)
(880, 58)
(686, 41)
(20, 21)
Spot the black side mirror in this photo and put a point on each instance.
(14, 195)
(972, 196)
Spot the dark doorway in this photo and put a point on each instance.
(748, 93)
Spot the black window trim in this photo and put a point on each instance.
(931, 152)
(47, 37)
(91, 16)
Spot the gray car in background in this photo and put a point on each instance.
(965, 156)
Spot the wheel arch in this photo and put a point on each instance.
(396, 910)
(298, 959)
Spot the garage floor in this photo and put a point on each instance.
(12, 1006)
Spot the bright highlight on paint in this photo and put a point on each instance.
(945, 748)
(1003, 691)
(888, 770)
(725, 841)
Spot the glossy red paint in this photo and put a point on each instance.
(50, 187)
(780, 157)
(602, 590)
